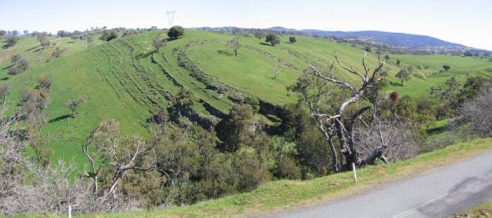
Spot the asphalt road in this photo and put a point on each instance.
(438, 193)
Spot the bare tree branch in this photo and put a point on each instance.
(351, 69)
(341, 83)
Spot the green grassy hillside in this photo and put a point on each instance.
(125, 79)
(431, 65)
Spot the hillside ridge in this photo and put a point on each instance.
(389, 38)
(382, 37)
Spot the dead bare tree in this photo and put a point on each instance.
(234, 44)
(49, 192)
(12, 161)
(390, 140)
(52, 191)
(125, 159)
(27, 187)
(276, 72)
(475, 113)
(115, 155)
(340, 121)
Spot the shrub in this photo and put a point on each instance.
(4, 91)
(109, 35)
(14, 71)
(44, 83)
(292, 39)
(159, 42)
(11, 41)
(14, 59)
(23, 64)
(57, 53)
(419, 75)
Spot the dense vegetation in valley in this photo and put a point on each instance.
(131, 119)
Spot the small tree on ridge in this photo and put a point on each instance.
(234, 43)
(292, 39)
(175, 32)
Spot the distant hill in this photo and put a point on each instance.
(387, 38)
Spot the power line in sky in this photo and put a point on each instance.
(170, 17)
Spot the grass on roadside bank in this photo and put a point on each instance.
(286, 195)
(482, 211)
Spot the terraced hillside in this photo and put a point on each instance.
(125, 79)
(431, 67)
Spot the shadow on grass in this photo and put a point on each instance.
(33, 48)
(396, 84)
(437, 130)
(39, 49)
(60, 118)
(265, 44)
(7, 46)
(226, 53)
(4, 79)
(172, 39)
(7, 67)
(145, 55)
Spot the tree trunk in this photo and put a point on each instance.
(335, 166)
(335, 163)
(95, 180)
(347, 147)
(346, 150)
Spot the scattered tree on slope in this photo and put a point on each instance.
(259, 34)
(273, 39)
(73, 105)
(403, 75)
(159, 42)
(20, 65)
(234, 44)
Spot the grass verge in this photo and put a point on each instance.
(484, 210)
(287, 195)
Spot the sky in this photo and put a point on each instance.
(466, 22)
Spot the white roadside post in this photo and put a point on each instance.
(69, 211)
(355, 173)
